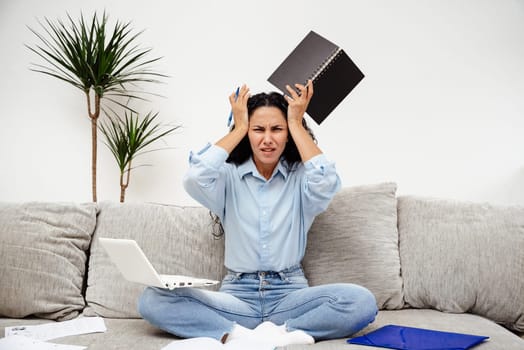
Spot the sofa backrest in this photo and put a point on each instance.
(463, 257)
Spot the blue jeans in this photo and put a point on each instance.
(324, 312)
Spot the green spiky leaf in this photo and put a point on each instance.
(90, 56)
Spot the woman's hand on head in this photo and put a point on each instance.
(298, 102)
(239, 107)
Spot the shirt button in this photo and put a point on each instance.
(264, 246)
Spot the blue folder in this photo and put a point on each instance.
(410, 338)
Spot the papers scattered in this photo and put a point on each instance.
(48, 331)
(19, 342)
(34, 337)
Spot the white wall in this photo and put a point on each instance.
(440, 112)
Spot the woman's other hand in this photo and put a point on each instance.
(239, 107)
(298, 102)
(295, 114)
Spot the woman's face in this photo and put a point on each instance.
(267, 135)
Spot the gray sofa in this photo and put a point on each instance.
(431, 263)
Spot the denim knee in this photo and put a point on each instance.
(368, 304)
(147, 302)
(360, 303)
(364, 301)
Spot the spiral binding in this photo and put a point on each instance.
(325, 64)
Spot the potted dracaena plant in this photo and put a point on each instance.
(100, 61)
(128, 137)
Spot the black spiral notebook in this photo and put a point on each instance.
(333, 73)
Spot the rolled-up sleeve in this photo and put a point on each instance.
(205, 178)
(321, 183)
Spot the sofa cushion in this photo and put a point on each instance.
(356, 241)
(124, 334)
(43, 258)
(177, 240)
(463, 257)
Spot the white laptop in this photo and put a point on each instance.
(134, 265)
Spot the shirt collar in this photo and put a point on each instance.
(249, 167)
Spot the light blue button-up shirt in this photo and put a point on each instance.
(265, 221)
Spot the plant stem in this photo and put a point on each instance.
(93, 157)
(123, 186)
(94, 132)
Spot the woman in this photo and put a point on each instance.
(266, 180)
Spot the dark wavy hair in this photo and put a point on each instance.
(242, 152)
